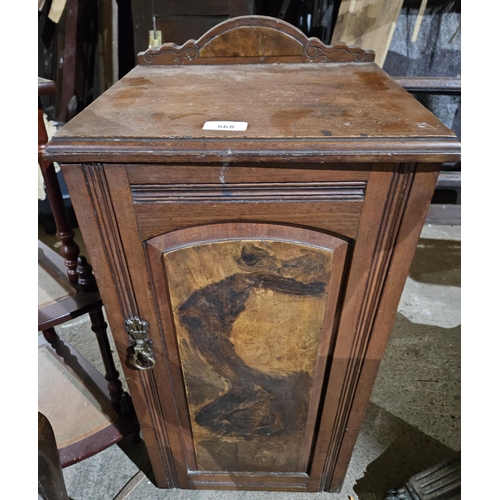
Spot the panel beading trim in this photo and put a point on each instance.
(99, 194)
(399, 191)
(249, 192)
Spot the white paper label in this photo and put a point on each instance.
(231, 126)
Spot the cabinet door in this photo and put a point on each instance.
(247, 314)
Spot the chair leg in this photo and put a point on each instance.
(50, 477)
(50, 335)
(120, 399)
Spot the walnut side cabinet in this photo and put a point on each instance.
(251, 278)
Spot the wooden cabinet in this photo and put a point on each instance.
(251, 278)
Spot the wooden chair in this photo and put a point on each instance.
(87, 411)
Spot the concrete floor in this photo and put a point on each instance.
(412, 422)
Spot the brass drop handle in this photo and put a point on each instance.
(142, 357)
(142, 352)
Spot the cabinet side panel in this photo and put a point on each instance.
(407, 226)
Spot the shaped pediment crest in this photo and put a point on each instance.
(251, 40)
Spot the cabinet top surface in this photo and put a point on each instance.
(356, 108)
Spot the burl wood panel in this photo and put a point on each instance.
(248, 318)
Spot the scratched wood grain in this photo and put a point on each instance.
(248, 317)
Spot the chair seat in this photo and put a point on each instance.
(51, 287)
(73, 395)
